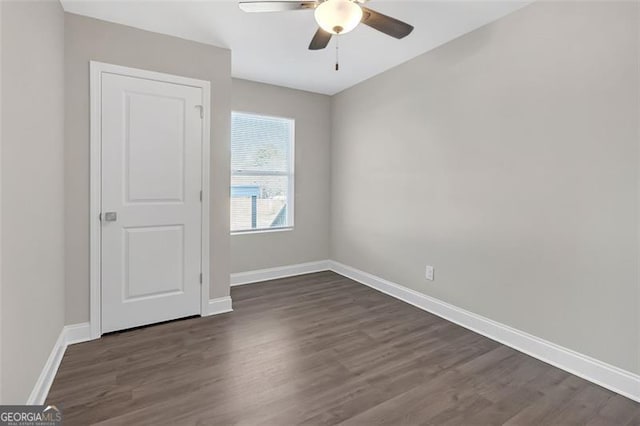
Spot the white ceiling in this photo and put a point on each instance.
(272, 47)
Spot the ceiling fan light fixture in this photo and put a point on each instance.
(338, 16)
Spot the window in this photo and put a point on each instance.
(261, 172)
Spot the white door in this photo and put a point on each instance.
(151, 226)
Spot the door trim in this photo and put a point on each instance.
(97, 69)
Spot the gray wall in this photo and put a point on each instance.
(309, 241)
(508, 159)
(90, 39)
(32, 191)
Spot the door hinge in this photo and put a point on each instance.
(201, 108)
(200, 277)
(200, 195)
(99, 217)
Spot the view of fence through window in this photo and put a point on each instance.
(261, 172)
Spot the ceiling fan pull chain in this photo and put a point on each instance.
(337, 54)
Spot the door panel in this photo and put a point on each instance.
(155, 171)
(161, 246)
(151, 178)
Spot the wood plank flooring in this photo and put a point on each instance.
(320, 349)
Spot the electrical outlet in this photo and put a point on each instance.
(429, 273)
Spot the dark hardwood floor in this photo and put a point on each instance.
(320, 349)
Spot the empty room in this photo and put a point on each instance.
(323, 212)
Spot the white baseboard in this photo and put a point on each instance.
(250, 277)
(613, 378)
(221, 305)
(69, 335)
(608, 376)
(78, 333)
(41, 388)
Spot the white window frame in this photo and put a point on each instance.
(290, 175)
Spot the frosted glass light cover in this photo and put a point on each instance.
(338, 16)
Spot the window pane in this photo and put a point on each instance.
(261, 150)
(260, 143)
(259, 202)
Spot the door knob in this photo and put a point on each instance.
(110, 216)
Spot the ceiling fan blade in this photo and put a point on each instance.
(385, 24)
(275, 6)
(320, 40)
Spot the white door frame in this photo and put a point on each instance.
(95, 179)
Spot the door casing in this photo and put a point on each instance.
(97, 69)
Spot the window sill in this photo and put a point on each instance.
(262, 231)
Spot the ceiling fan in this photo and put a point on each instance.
(334, 17)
